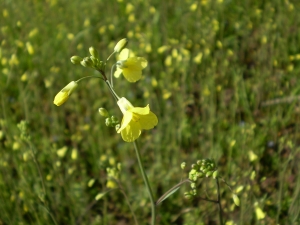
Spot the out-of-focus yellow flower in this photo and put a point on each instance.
(131, 67)
(64, 94)
(135, 120)
(30, 48)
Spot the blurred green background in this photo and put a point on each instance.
(222, 77)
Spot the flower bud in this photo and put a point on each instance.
(193, 185)
(215, 174)
(103, 112)
(76, 59)
(83, 63)
(236, 200)
(117, 127)
(64, 94)
(88, 61)
(121, 45)
(183, 165)
(187, 195)
(114, 119)
(209, 173)
(93, 52)
(108, 122)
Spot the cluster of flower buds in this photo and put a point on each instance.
(110, 121)
(203, 168)
(91, 61)
(113, 174)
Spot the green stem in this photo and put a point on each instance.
(219, 202)
(145, 178)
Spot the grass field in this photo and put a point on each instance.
(222, 78)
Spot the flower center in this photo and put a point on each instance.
(135, 117)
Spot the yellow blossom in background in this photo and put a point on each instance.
(252, 156)
(148, 48)
(198, 58)
(74, 154)
(130, 67)
(64, 94)
(5, 13)
(168, 61)
(33, 33)
(62, 151)
(258, 212)
(129, 8)
(86, 23)
(131, 18)
(193, 7)
(30, 49)
(135, 120)
(152, 10)
(70, 36)
(13, 60)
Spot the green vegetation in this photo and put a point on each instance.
(222, 78)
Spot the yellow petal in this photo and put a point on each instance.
(124, 54)
(140, 110)
(136, 63)
(148, 121)
(132, 75)
(125, 121)
(131, 132)
(118, 73)
(61, 98)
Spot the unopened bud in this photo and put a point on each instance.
(93, 52)
(209, 173)
(103, 112)
(114, 119)
(236, 200)
(121, 45)
(76, 59)
(187, 195)
(88, 61)
(193, 185)
(183, 165)
(215, 174)
(108, 122)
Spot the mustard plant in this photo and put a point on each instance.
(135, 119)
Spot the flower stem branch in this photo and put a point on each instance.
(145, 178)
(219, 202)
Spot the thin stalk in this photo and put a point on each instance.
(219, 202)
(112, 90)
(145, 178)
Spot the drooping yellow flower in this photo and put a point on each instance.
(64, 94)
(131, 67)
(135, 120)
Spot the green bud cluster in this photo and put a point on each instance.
(203, 168)
(23, 127)
(112, 121)
(190, 194)
(91, 61)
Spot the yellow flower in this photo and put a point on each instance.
(135, 120)
(64, 94)
(131, 67)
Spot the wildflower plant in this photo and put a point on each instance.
(135, 119)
